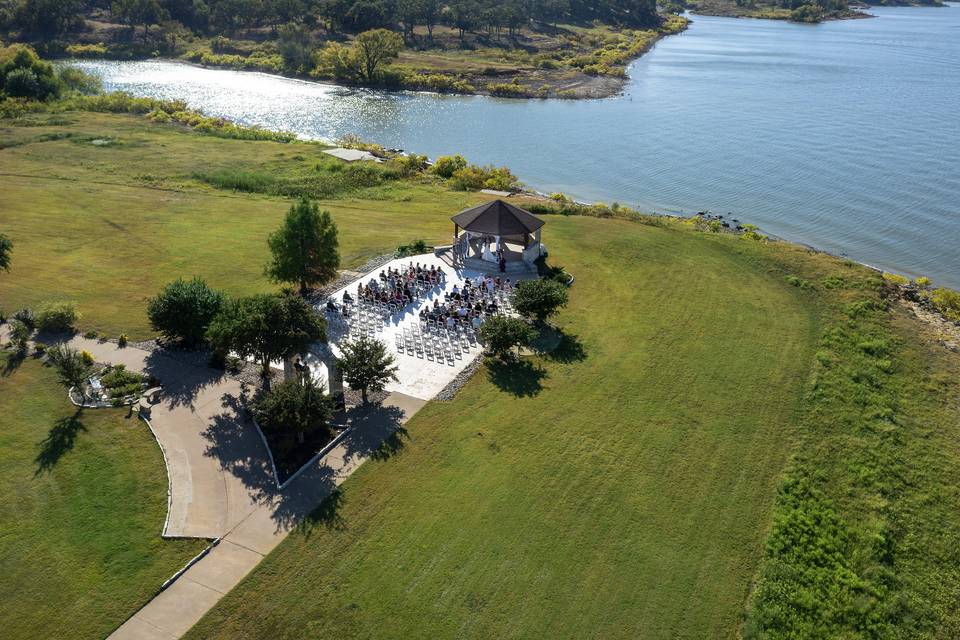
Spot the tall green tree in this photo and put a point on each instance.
(540, 299)
(295, 44)
(138, 12)
(266, 327)
(367, 365)
(293, 410)
(373, 49)
(6, 249)
(51, 17)
(502, 334)
(305, 250)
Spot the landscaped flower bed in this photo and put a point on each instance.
(112, 386)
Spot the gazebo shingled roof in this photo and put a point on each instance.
(497, 218)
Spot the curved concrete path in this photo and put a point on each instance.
(213, 455)
(221, 483)
(176, 609)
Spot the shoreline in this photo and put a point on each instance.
(519, 82)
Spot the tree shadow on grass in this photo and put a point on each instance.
(13, 362)
(60, 439)
(569, 350)
(326, 515)
(521, 378)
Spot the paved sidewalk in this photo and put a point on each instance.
(174, 611)
(203, 436)
(221, 483)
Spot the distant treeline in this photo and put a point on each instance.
(211, 17)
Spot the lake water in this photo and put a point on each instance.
(844, 135)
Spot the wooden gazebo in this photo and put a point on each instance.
(497, 229)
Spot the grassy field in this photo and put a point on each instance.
(84, 500)
(735, 437)
(107, 226)
(621, 488)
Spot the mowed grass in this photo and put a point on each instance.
(84, 500)
(109, 226)
(619, 489)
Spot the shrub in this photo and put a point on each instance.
(411, 164)
(509, 89)
(540, 299)
(800, 283)
(39, 348)
(502, 334)
(896, 278)
(98, 50)
(19, 334)
(415, 248)
(57, 317)
(923, 282)
(90, 335)
(122, 340)
(73, 367)
(184, 309)
(947, 302)
(446, 166)
(473, 178)
(437, 82)
(25, 316)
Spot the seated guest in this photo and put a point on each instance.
(346, 297)
(477, 322)
(451, 323)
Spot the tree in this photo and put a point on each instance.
(430, 14)
(24, 75)
(305, 249)
(367, 365)
(266, 327)
(295, 44)
(138, 12)
(49, 16)
(184, 309)
(501, 334)
(6, 248)
(539, 299)
(73, 369)
(408, 12)
(293, 410)
(373, 48)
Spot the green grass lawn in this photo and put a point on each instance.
(84, 500)
(622, 489)
(109, 226)
(736, 437)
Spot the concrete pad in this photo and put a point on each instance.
(351, 155)
(417, 375)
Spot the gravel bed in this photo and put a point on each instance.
(450, 391)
